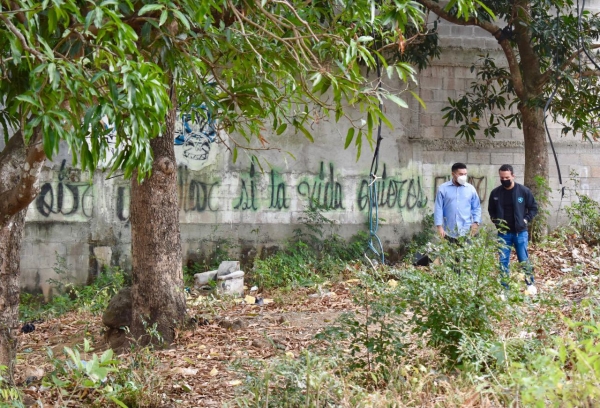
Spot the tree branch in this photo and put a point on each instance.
(548, 74)
(530, 61)
(26, 162)
(22, 39)
(494, 30)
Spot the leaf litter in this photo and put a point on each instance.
(196, 371)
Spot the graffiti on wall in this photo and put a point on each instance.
(394, 192)
(272, 191)
(69, 196)
(323, 191)
(195, 137)
(248, 195)
(278, 190)
(196, 194)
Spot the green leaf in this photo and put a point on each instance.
(418, 98)
(235, 154)
(163, 17)
(398, 101)
(349, 137)
(281, 128)
(182, 18)
(150, 7)
(117, 401)
(306, 133)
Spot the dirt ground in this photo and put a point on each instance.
(197, 370)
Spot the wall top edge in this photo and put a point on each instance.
(460, 144)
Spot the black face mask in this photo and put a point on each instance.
(506, 183)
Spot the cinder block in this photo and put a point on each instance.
(571, 159)
(461, 31)
(453, 83)
(433, 133)
(432, 83)
(492, 44)
(590, 159)
(426, 95)
(519, 158)
(454, 157)
(478, 158)
(442, 95)
(519, 172)
(474, 43)
(433, 157)
(502, 158)
(595, 171)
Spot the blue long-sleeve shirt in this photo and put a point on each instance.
(456, 208)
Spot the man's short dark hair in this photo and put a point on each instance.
(458, 166)
(507, 167)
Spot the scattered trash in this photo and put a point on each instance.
(421, 259)
(566, 270)
(260, 301)
(27, 328)
(531, 290)
(253, 288)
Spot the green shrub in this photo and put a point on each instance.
(9, 395)
(539, 225)
(93, 298)
(102, 380)
(584, 217)
(293, 266)
(564, 375)
(457, 297)
(310, 380)
(374, 335)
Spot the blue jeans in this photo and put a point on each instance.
(519, 241)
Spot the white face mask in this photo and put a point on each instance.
(461, 180)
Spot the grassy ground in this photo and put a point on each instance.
(363, 336)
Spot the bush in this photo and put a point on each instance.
(373, 336)
(584, 217)
(457, 297)
(93, 298)
(9, 395)
(564, 375)
(102, 380)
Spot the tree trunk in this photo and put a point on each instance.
(157, 292)
(20, 167)
(10, 257)
(536, 147)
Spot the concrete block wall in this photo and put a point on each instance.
(256, 206)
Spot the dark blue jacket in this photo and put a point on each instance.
(524, 204)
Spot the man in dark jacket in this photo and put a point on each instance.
(511, 207)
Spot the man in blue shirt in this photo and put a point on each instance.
(457, 207)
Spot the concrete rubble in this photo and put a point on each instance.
(228, 279)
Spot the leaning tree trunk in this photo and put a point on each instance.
(157, 292)
(20, 167)
(536, 147)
